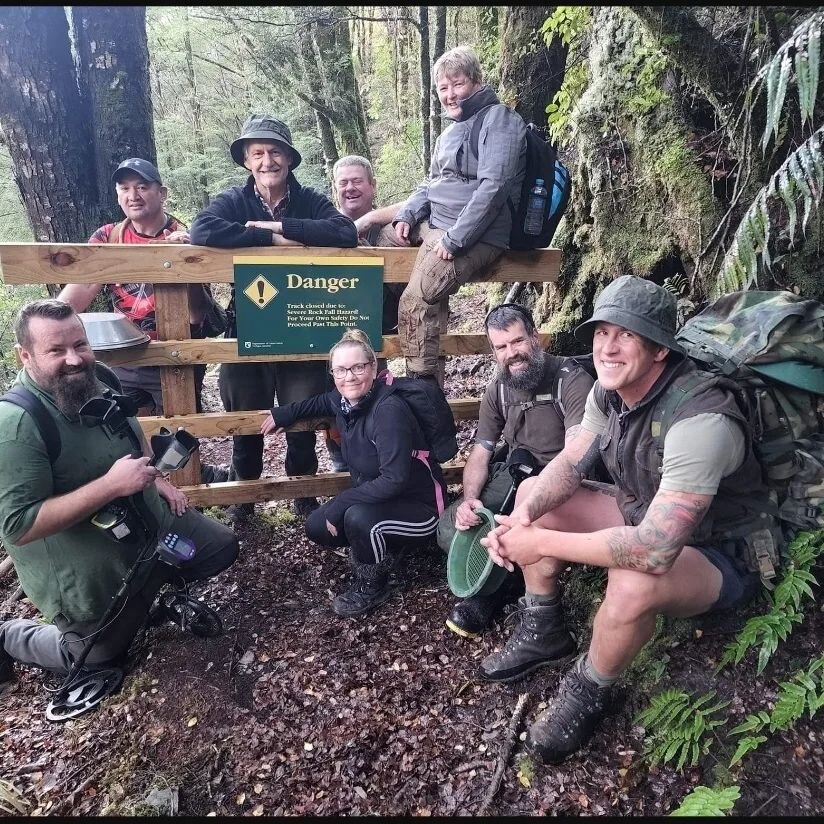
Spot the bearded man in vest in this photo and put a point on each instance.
(679, 537)
(141, 196)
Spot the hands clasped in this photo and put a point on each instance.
(515, 541)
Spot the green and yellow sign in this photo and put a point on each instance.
(300, 305)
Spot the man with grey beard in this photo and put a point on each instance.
(69, 567)
(534, 402)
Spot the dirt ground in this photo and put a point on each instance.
(293, 711)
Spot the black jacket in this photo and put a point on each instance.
(378, 438)
(310, 219)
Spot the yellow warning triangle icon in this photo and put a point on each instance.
(260, 292)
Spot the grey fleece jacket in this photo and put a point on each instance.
(468, 196)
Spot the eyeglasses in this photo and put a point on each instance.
(525, 314)
(357, 369)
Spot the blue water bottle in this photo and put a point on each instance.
(536, 208)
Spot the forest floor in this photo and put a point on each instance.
(293, 711)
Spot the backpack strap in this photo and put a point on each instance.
(23, 397)
(667, 406)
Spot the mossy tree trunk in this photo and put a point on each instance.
(531, 71)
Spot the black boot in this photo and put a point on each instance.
(370, 588)
(569, 723)
(540, 640)
(471, 616)
(7, 676)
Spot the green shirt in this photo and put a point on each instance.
(74, 572)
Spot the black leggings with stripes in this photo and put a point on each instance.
(368, 527)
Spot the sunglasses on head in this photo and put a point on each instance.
(522, 311)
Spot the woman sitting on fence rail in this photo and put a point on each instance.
(397, 493)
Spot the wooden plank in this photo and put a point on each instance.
(177, 383)
(219, 350)
(222, 424)
(25, 263)
(284, 488)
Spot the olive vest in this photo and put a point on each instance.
(740, 509)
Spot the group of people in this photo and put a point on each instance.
(671, 528)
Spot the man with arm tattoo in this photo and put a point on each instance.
(676, 539)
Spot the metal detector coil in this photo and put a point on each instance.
(85, 692)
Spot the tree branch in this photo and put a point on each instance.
(703, 59)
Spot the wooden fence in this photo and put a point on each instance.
(169, 267)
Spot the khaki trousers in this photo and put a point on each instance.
(432, 281)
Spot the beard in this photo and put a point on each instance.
(71, 390)
(527, 379)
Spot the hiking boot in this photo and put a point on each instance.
(214, 473)
(305, 506)
(567, 725)
(370, 588)
(540, 640)
(239, 513)
(471, 616)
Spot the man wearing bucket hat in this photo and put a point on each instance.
(271, 209)
(676, 537)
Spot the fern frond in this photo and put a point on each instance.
(792, 181)
(704, 801)
(803, 50)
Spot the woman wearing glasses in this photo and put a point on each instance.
(396, 495)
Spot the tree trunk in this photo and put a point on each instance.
(531, 71)
(440, 48)
(202, 189)
(333, 57)
(46, 125)
(426, 82)
(113, 64)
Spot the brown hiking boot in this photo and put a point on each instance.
(570, 722)
(541, 639)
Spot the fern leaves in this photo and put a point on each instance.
(801, 51)
(681, 726)
(799, 179)
(703, 801)
(795, 588)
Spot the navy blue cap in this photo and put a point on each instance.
(148, 171)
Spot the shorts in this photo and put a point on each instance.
(737, 585)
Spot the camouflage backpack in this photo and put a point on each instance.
(772, 345)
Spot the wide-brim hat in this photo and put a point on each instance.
(639, 305)
(264, 127)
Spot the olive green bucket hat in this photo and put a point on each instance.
(264, 127)
(639, 305)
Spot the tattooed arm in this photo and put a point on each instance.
(650, 547)
(555, 485)
(657, 541)
(559, 479)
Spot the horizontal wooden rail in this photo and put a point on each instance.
(284, 488)
(221, 424)
(190, 352)
(181, 263)
(170, 267)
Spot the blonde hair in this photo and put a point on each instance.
(460, 60)
(354, 337)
